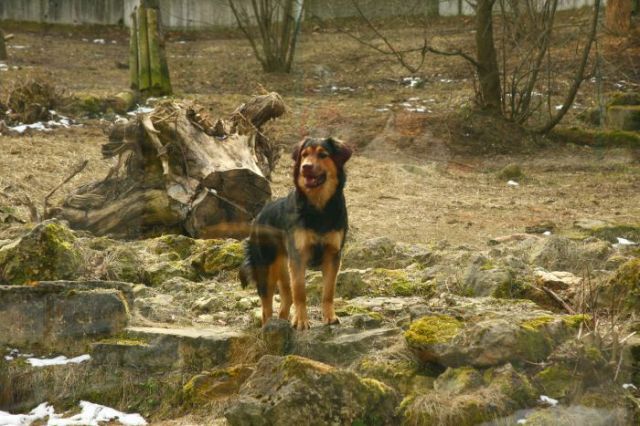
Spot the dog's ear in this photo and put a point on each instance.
(296, 150)
(342, 152)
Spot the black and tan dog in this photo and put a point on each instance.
(306, 228)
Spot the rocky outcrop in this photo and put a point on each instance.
(60, 316)
(47, 252)
(296, 390)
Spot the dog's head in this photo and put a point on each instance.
(319, 168)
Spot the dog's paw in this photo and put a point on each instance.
(332, 321)
(300, 322)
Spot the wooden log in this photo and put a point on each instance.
(155, 71)
(3, 47)
(178, 170)
(133, 53)
(144, 75)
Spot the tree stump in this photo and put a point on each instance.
(148, 68)
(180, 171)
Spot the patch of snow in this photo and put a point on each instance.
(140, 110)
(412, 81)
(413, 99)
(446, 80)
(625, 242)
(546, 233)
(60, 360)
(99, 41)
(91, 415)
(629, 386)
(548, 400)
(558, 107)
(522, 422)
(513, 183)
(382, 109)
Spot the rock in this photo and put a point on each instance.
(624, 117)
(296, 390)
(278, 336)
(622, 290)
(384, 253)
(558, 253)
(467, 398)
(556, 381)
(510, 171)
(485, 282)
(557, 280)
(222, 383)
(395, 368)
(540, 227)
(590, 224)
(47, 252)
(59, 316)
(576, 415)
(186, 349)
(123, 102)
(343, 345)
(484, 336)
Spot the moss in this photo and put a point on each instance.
(125, 341)
(534, 324)
(602, 138)
(625, 284)
(612, 232)
(222, 383)
(398, 372)
(433, 329)
(511, 290)
(458, 380)
(555, 381)
(396, 282)
(574, 321)
(219, 256)
(48, 252)
(123, 263)
(510, 171)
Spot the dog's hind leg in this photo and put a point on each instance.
(266, 288)
(330, 267)
(284, 285)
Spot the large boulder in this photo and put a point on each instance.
(486, 332)
(465, 397)
(296, 390)
(47, 252)
(383, 252)
(54, 316)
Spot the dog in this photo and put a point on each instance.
(306, 228)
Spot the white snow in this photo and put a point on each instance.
(546, 233)
(629, 386)
(548, 400)
(522, 422)
(140, 110)
(91, 415)
(99, 41)
(625, 242)
(60, 360)
(513, 183)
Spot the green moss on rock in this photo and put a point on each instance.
(48, 252)
(432, 329)
(206, 388)
(555, 381)
(458, 380)
(220, 255)
(574, 321)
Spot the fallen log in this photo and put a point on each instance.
(180, 171)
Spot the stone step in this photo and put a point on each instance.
(172, 348)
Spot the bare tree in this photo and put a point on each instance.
(515, 68)
(618, 16)
(272, 28)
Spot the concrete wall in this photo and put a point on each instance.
(197, 14)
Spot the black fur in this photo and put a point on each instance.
(272, 230)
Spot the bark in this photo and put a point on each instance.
(3, 47)
(618, 16)
(487, 62)
(179, 170)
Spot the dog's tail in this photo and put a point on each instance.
(245, 273)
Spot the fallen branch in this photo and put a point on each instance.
(559, 300)
(80, 167)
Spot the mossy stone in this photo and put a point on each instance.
(48, 252)
(458, 380)
(206, 388)
(555, 381)
(432, 329)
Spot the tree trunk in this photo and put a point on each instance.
(618, 16)
(182, 172)
(3, 47)
(488, 72)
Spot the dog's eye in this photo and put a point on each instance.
(304, 155)
(322, 155)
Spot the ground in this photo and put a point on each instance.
(429, 178)
(434, 188)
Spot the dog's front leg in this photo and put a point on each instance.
(330, 267)
(296, 273)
